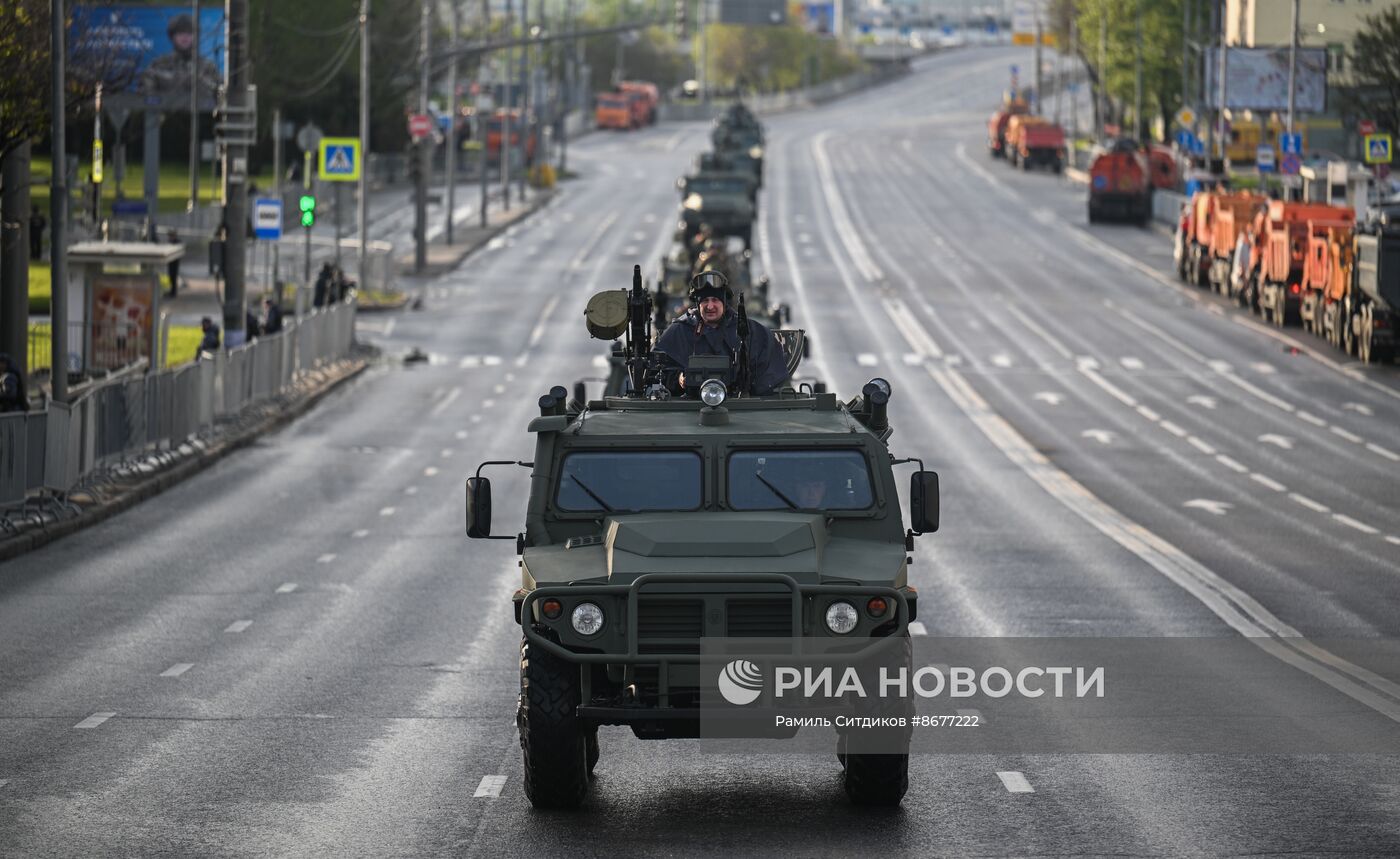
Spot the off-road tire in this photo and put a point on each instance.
(552, 738)
(877, 780)
(591, 740)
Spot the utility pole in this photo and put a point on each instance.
(505, 115)
(421, 151)
(525, 124)
(703, 22)
(1293, 66)
(1222, 71)
(482, 122)
(58, 211)
(1103, 71)
(570, 73)
(1186, 53)
(1139, 127)
(1037, 106)
(194, 114)
(1074, 69)
(450, 156)
(362, 189)
(236, 138)
(1212, 116)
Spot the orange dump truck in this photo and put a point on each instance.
(1351, 284)
(1282, 235)
(1230, 215)
(996, 126)
(648, 100)
(1120, 184)
(1326, 273)
(614, 110)
(1032, 140)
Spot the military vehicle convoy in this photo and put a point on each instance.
(656, 522)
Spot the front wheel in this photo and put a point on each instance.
(554, 741)
(876, 780)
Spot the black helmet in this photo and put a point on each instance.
(710, 282)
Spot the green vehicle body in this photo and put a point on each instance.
(723, 200)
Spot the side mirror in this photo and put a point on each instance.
(923, 502)
(478, 507)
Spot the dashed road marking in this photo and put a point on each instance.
(1174, 429)
(287, 588)
(1388, 454)
(1276, 440)
(446, 401)
(867, 359)
(386, 511)
(238, 626)
(1232, 464)
(487, 403)
(177, 669)
(447, 451)
(1315, 506)
(1265, 480)
(1392, 540)
(1347, 434)
(1210, 505)
(326, 558)
(1049, 397)
(1098, 435)
(1148, 413)
(1001, 359)
(1015, 782)
(490, 786)
(410, 490)
(461, 434)
(1359, 408)
(1311, 418)
(1200, 445)
(93, 721)
(430, 471)
(1353, 523)
(1131, 363)
(360, 533)
(1202, 401)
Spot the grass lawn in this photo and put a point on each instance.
(39, 293)
(184, 343)
(174, 183)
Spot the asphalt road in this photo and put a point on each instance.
(298, 652)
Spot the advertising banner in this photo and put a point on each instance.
(148, 53)
(122, 319)
(1257, 79)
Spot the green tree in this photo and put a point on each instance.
(769, 59)
(1375, 64)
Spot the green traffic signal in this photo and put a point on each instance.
(308, 210)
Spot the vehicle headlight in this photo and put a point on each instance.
(756, 152)
(588, 618)
(713, 392)
(841, 617)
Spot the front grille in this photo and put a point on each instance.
(682, 619)
(759, 618)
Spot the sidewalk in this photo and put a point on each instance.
(470, 235)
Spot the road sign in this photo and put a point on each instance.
(420, 125)
(1377, 148)
(1186, 117)
(267, 218)
(1290, 164)
(1264, 158)
(97, 162)
(309, 138)
(1291, 144)
(340, 159)
(1366, 126)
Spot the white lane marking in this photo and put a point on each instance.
(460, 434)
(490, 786)
(1148, 413)
(177, 669)
(1353, 523)
(1202, 401)
(487, 403)
(386, 511)
(93, 721)
(916, 627)
(491, 360)
(326, 558)
(1232, 464)
(537, 332)
(1220, 366)
(410, 490)
(629, 252)
(1265, 480)
(1174, 429)
(389, 326)
(840, 216)
(1001, 359)
(1277, 440)
(1025, 319)
(1049, 397)
(446, 401)
(597, 236)
(287, 588)
(1131, 363)
(1359, 408)
(430, 471)
(1263, 368)
(238, 626)
(447, 452)
(919, 339)
(1111, 389)
(1388, 454)
(1211, 506)
(501, 389)
(360, 533)
(1087, 362)
(1200, 445)
(1099, 435)
(1316, 506)
(913, 358)
(1309, 417)
(1015, 782)
(1392, 540)
(866, 359)
(1347, 434)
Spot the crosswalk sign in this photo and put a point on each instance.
(339, 159)
(1377, 148)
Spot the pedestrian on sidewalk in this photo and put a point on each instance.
(173, 268)
(210, 343)
(272, 317)
(37, 223)
(252, 329)
(13, 397)
(323, 285)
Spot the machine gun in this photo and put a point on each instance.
(615, 312)
(743, 378)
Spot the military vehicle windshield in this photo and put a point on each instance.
(714, 185)
(610, 481)
(799, 480)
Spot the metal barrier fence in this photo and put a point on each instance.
(1166, 206)
(134, 412)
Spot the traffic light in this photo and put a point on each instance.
(682, 24)
(308, 211)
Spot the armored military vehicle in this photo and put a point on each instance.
(722, 200)
(740, 160)
(657, 522)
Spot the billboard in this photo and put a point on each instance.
(753, 12)
(153, 48)
(819, 17)
(1257, 79)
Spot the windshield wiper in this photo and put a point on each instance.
(776, 491)
(591, 494)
